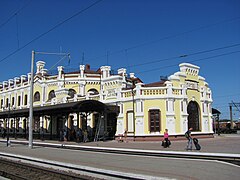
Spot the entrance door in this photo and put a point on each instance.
(193, 115)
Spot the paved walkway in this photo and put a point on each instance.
(226, 145)
(219, 144)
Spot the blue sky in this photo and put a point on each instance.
(145, 36)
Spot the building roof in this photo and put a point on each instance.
(155, 84)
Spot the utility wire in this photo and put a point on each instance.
(202, 59)
(17, 29)
(59, 62)
(14, 14)
(51, 29)
(167, 37)
(183, 56)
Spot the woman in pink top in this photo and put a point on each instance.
(166, 141)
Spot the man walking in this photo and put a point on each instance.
(189, 137)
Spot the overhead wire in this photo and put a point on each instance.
(51, 29)
(202, 59)
(14, 14)
(166, 37)
(17, 29)
(181, 56)
(185, 55)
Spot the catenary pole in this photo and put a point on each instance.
(30, 138)
(31, 104)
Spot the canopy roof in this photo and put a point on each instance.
(62, 109)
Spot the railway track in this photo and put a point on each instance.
(22, 167)
(18, 170)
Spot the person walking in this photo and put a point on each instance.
(166, 140)
(189, 138)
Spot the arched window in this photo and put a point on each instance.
(71, 93)
(7, 102)
(19, 100)
(36, 96)
(93, 91)
(13, 101)
(193, 115)
(51, 95)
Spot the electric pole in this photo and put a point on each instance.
(30, 133)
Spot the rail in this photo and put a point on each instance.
(226, 157)
(59, 170)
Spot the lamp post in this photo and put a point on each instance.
(30, 133)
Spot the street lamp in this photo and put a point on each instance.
(30, 133)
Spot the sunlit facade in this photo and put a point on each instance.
(178, 102)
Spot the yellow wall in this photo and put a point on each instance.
(154, 104)
(177, 110)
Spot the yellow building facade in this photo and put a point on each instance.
(181, 101)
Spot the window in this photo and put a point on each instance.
(13, 101)
(71, 93)
(1, 103)
(51, 95)
(36, 96)
(93, 91)
(19, 100)
(25, 99)
(154, 120)
(7, 101)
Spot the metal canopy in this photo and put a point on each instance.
(61, 109)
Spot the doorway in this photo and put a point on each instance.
(193, 116)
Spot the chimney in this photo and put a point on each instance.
(87, 67)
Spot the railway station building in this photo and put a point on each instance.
(106, 104)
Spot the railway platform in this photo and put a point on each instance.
(225, 143)
(224, 148)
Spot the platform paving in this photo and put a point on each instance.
(171, 168)
(219, 144)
